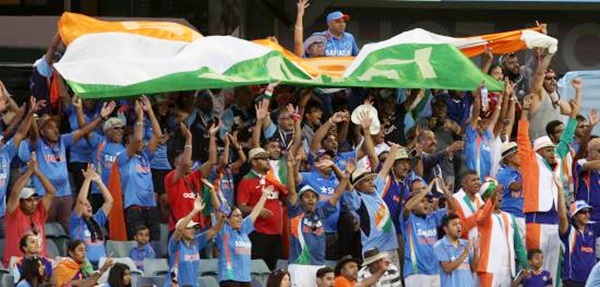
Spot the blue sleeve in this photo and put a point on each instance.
(247, 225)
(306, 178)
(438, 215)
(172, 250)
(328, 209)
(352, 200)
(201, 240)
(43, 67)
(24, 151)
(440, 252)
(379, 184)
(67, 140)
(226, 122)
(73, 224)
(11, 149)
(95, 139)
(269, 131)
(470, 135)
(123, 158)
(100, 217)
(565, 237)
(149, 154)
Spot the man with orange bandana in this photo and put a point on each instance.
(500, 240)
(539, 165)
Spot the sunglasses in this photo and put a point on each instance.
(550, 78)
(117, 128)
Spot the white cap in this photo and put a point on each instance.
(27, 192)
(542, 142)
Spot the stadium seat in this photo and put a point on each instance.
(208, 281)
(208, 267)
(7, 280)
(160, 248)
(260, 271)
(52, 248)
(55, 230)
(1, 248)
(164, 232)
(256, 283)
(125, 260)
(281, 264)
(330, 263)
(151, 281)
(156, 267)
(119, 248)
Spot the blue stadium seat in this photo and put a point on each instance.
(156, 267)
(119, 248)
(260, 271)
(208, 267)
(208, 281)
(52, 248)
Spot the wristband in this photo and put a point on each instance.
(139, 123)
(187, 145)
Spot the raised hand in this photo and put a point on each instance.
(351, 166)
(233, 140)
(90, 173)
(575, 108)
(456, 146)
(146, 105)
(326, 163)
(139, 110)
(262, 110)
(107, 264)
(543, 27)
(35, 104)
(477, 242)
(337, 118)
(108, 108)
(214, 129)
(593, 117)
(291, 159)
(302, 5)
(76, 102)
(509, 87)
(33, 164)
(294, 113)
(368, 101)
(365, 120)
(185, 131)
(576, 83)
(527, 100)
(488, 52)
(198, 203)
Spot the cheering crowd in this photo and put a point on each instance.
(353, 187)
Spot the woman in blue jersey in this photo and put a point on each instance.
(233, 241)
(184, 247)
(84, 225)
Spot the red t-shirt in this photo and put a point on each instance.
(181, 195)
(250, 191)
(18, 224)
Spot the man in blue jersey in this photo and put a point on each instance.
(509, 176)
(419, 226)
(8, 150)
(51, 150)
(339, 42)
(184, 247)
(136, 177)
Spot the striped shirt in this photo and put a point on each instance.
(391, 277)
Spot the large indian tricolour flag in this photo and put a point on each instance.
(116, 59)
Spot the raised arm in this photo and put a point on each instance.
(241, 160)
(186, 155)
(593, 120)
(412, 202)
(474, 120)
(487, 60)
(266, 191)
(206, 167)
(83, 191)
(495, 116)
(34, 106)
(157, 131)
(52, 48)
(213, 231)
(299, 28)
(322, 131)
(564, 145)
(138, 130)
(537, 84)
(450, 266)
(297, 138)
(389, 161)
(48, 187)
(181, 226)
(369, 145)
(107, 109)
(451, 204)
(292, 196)
(563, 220)
(20, 183)
(262, 112)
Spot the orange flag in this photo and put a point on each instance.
(117, 229)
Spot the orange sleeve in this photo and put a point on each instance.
(484, 214)
(529, 168)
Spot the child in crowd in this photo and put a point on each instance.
(535, 276)
(143, 248)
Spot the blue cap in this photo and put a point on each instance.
(337, 15)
